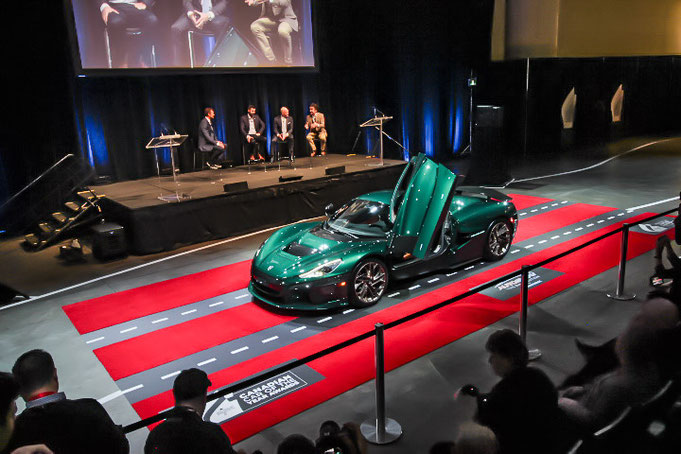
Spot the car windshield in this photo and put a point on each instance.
(361, 217)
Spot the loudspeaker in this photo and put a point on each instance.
(235, 187)
(290, 178)
(489, 155)
(108, 241)
(8, 294)
(335, 170)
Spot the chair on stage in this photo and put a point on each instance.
(209, 39)
(131, 33)
(276, 155)
(248, 162)
(318, 145)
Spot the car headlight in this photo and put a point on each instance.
(323, 269)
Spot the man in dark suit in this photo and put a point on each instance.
(64, 425)
(185, 431)
(202, 15)
(208, 140)
(118, 15)
(283, 133)
(276, 18)
(252, 128)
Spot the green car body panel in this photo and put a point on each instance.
(429, 223)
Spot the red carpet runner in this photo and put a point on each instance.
(403, 344)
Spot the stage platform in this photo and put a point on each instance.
(154, 225)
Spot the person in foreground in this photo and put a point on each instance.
(64, 425)
(522, 409)
(185, 431)
(9, 392)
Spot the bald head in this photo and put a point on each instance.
(284, 111)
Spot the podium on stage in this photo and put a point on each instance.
(377, 122)
(168, 141)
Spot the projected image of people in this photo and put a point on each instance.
(130, 28)
(277, 22)
(205, 17)
(191, 34)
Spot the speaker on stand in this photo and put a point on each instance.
(489, 164)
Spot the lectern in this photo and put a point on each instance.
(168, 141)
(377, 122)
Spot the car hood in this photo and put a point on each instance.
(288, 254)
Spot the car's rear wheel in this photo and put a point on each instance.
(369, 282)
(498, 242)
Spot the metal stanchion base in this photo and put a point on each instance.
(535, 353)
(393, 431)
(623, 297)
(174, 197)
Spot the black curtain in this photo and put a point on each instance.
(409, 59)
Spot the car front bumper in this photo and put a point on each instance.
(319, 294)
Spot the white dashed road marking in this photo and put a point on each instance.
(92, 341)
(300, 328)
(269, 339)
(239, 350)
(325, 319)
(172, 374)
(208, 361)
(242, 296)
(188, 312)
(414, 287)
(216, 304)
(159, 320)
(128, 330)
(433, 280)
(348, 311)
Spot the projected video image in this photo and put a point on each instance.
(232, 34)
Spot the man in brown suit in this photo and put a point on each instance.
(276, 18)
(316, 125)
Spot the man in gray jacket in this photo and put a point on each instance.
(276, 18)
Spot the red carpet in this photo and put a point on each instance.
(555, 219)
(164, 345)
(403, 344)
(98, 313)
(525, 201)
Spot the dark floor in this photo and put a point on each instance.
(419, 394)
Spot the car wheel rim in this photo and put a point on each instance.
(499, 239)
(370, 282)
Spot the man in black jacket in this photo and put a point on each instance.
(199, 15)
(252, 128)
(185, 430)
(64, 425)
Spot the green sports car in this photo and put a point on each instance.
(425, 224)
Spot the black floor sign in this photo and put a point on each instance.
(510, 288)
(233, 405)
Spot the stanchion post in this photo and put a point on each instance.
(534, 353)
(380, 430)
(622, 269)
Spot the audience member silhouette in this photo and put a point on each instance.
(64, 425)
(184, 430)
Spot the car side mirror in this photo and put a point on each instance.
(329, 209)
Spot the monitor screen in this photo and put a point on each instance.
(191, 35)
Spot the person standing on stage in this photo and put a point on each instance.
(316, 125)
(118, 15)
(252, 128)
(208, 140)
(283, 133)
(204, 15)
(277, 16)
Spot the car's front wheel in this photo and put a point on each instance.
(369, 282)
(499, 237)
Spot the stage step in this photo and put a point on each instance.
(60, 217)
(87, 195)
(46, 229)
(32, 240)
(73, 206)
